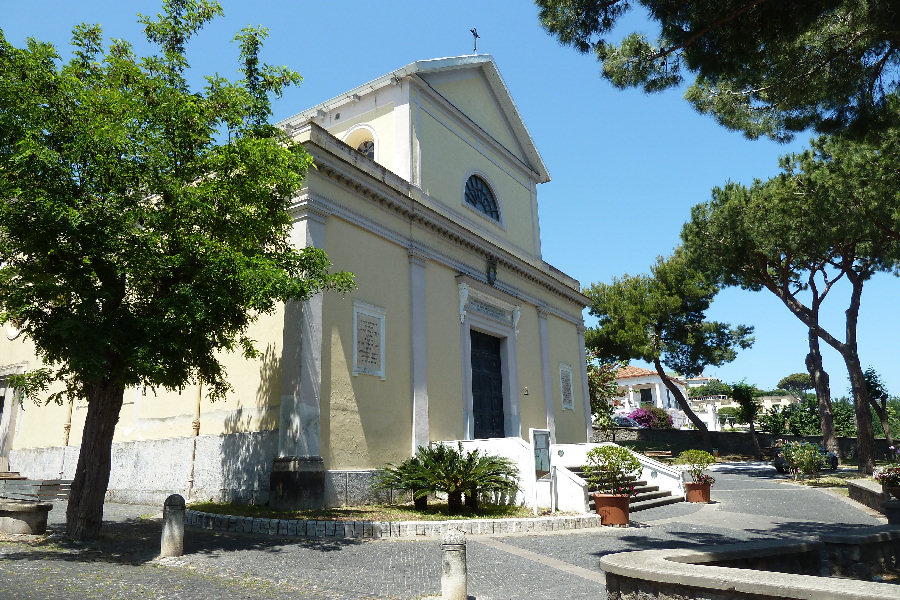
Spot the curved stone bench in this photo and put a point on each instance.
(688, 574)
(22, 516)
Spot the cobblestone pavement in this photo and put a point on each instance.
(750, 502)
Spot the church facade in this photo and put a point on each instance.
(425, 187)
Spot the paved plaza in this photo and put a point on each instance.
(750, 502)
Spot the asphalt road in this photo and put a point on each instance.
(750, 501)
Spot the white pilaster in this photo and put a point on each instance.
(418, 348)
(585, 390)
(659, 397)
(545, 371)
(301, 362)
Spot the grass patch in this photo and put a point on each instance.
(376, 512)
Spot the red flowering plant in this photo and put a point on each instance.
(888, 477)
(697, 461)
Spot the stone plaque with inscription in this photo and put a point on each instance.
(565, 382)
(368, 343)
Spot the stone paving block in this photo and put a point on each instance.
(420, 529)
(311, 529)
(283, 527)
(329, 528)
(395, 529)
(273, 526)
(320, 528)
(292, 527)
(258, 525)
(339, 530)
(233, 524)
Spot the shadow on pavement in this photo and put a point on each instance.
(137, 541)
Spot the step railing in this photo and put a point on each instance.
(667, 477)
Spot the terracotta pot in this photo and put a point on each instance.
(612, 508)
(696, 492)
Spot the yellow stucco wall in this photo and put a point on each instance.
(473, 97)
(447, 160)
(366, 421)
(531, 407)
(252, 405)
(445, 393)
(570, 424)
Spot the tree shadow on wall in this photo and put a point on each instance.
(250, 442)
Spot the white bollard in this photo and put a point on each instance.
(172, 543)
(454, 584)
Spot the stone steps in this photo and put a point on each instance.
(645, 496)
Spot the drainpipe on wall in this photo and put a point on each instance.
(195, 425)
(66, 429)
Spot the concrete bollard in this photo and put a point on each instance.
(454, 584)
(172, 543)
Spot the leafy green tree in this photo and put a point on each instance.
(803, 418)
(661, 318)
(134, 245)
(729, 412)
(713, 388)
(773, 421)
(748, 409)
(800, 233)
(602, 385)
(798, 383)
(878, 397)
(795, 384)
(844, 418)
(765, 68)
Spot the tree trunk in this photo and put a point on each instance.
(683, 403)
(865, 435)
(455, 502)
(85, 511)
(757, 451)
(883, 416)
(823, 394)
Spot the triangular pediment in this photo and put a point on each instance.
(474, 86)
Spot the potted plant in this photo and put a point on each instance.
(698, 489)
(611, 470)
(889, 478)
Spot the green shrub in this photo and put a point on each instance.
(697, 461)
(803, 459)
(611, 469)
(453, 471)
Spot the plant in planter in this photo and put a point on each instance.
(611, 470)
(889, 478)
(697, 490)
(453, 471)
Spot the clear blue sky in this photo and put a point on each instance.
(626, 167)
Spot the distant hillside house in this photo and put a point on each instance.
(425, 187)
(639, 386)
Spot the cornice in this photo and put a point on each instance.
(339, 163)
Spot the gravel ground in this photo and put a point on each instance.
(750, 502)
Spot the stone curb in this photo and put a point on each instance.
(381, 529)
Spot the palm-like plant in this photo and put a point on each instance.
(453, 471)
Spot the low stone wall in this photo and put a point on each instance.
(727, 442)
(382, 529)
(227, 468)
(869, 493)
(790, 570)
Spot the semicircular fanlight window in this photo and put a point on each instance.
(479, 196)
